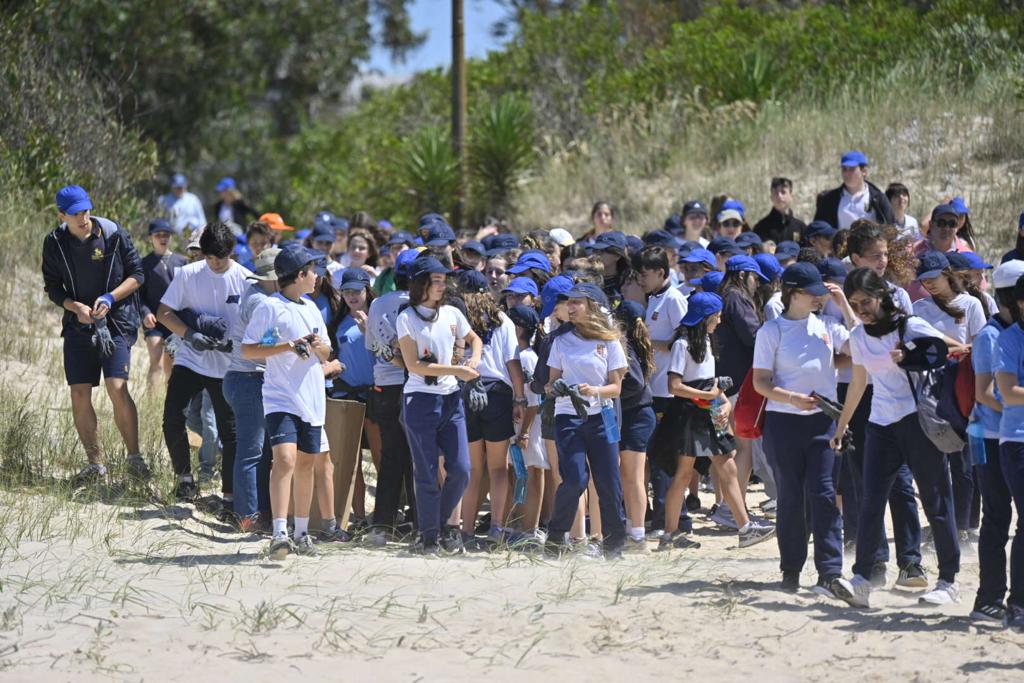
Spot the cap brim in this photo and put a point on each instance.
(929, 274)
(268, 277)
(816, 289)
(498, 251)
(354, 286)
(281, 227)
(437, 243)
(696, 212)
(80, 205)
(518, 268)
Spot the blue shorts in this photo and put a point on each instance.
(157, 331)
(637, 427)
(83, 365)
(288, 428)
(493, 423)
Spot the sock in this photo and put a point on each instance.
(301, 526)
(186, 477)
(280, 527)
(637, 533)
(745, 528)
(330, 525)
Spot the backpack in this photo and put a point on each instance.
(956, 393)
(750, 409)
(925, 385)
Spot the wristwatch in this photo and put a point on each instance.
(519, 402)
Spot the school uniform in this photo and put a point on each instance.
(534, 454)
(294, 401)
(435, 420)
(1011, 454)
(800, 354)
(159, 271)
(894, 437)
(584, 441)
(356, 380)
(198, 288)
(636, 406)
(494, 423)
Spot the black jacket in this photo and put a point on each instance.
(121, 261)
(828, 206)
(778, 228)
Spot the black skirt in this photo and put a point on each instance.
(687, 429)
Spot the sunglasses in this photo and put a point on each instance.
(731, 223)
(940, 223)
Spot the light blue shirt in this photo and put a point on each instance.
(1011, 360)
(984, 359)
(352, 352)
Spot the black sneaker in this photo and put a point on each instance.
(878, 577)
(692, 503)
(138, 468)
(421, 547)
(281, 547)
(995, 612)
(791, 581)
(92, 473)
(483, 525)
(186, 492)
(451, 540)
(834, 587)
(1015, 617)
(912, 576)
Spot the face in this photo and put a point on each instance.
(730, 228)
(438, 284)
(495, 272)
(561, 311)
(257, 244)
(576, 309)
(555, 258)
(160, 241)
(822, 244)
(900, 203)
(472, 259)
(80, 222)
(806, 302)
(178, 190)
(695, 224)
(651, 280)
(937, 287)
(358, 251)
(609, 260)
(692, 271)
(218, 265)
(875, 257)
(323, 246)
(942, 231)
(865, 306)
(355, 299)
(782, 198)
(517, 299)
(397, 249)
(854, 176)
(225, 196)
(306, 280)
(340, 242)
(603, 217)
(713, 321)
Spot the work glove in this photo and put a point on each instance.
(202, 342)
(102, 340)
(476, 397)
(571, 391)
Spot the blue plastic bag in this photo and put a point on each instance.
(611, 425)
(519, 465)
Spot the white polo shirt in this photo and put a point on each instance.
(433, 335)
(584, 361)
(665, 310)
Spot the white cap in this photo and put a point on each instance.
(1007, 274)
(730, 214)
(562, 237)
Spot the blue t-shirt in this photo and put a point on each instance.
(352, 352)
(984, 359)
(1011, 360)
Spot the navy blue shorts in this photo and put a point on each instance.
(83, 365)
(158, 331)
(637, 427)
(288, 428)
(493, 423)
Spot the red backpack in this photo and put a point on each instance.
(750, 409)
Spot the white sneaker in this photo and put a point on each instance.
(722, 516)
(944, 593)
(755, 533)
(861, 591)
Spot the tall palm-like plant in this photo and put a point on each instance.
(430, 169)
(501, 153)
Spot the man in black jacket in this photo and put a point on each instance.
(92, 270)
(780, 224)
(856, 198)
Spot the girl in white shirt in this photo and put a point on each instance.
(433, 414)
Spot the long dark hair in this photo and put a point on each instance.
(973, 289)
(638, 337)
(869, 282)
(947, 307)
(696, 338)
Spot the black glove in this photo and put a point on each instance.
(831, 408)
(724, 383)
(429, 358)
(572, 391)
(102, 340)
(201, 342)
(476, 397)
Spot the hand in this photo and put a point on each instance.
(83, 313)
(369, 269)
(835, 292)
(466, 373)
(102, 306)
(333, 368)
(587, 390)
(201, 342)
(517, 412)
(360, 319)
(802, 401)
(897, 356)
(149, 322)
(300, 347)
(472, 362)
(522, 439)
(320, 347)
(837, 441)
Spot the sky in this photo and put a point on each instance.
(435, 17)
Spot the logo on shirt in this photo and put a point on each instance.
(97, 255)
(232, 299)
(601, 350)
(654, 316)
(452, 329)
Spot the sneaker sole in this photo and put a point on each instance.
(280, 553)
(987, 618)
(913, 583)
(746, 543)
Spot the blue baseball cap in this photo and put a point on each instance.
(787, 249)
(159, 225)
(323, 233)
(960, 205)
(732, 204)
(472, 281)
(531, 259)
(699, 306)
(225, 183)
(425, 265)
(974, 262)
(72, 199)
(179, 180)
(957, 261)
(501, 243)
(524, 316)
(628, 311)
(694, 206)
(748, 239)
(549, 294)
(340, 223)
(744, 263)
(404, 260)
(805, 276)
(294, 257)
(931, 264)
(674, 224)
(325, 219)
(710, 281)
(833, 270)
(724, 245)
(944, 210)
(662, 238)
(521, 285)
(634, 245)
(854, 157)
(439, 234)
(769, 265)
(354, 278)
(473, 245)
(303, 234)
(587, 290)
(610, 241)
(819, 229)
(700, 255)
(687, 247)
(401, 237)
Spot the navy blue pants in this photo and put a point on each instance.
(434, 425)
(885, 450)
(661, 481)
(906, 527)
(581, 442)
(961, 474)
(805, 468)
(1002, 487)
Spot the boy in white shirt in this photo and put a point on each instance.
(294, 400)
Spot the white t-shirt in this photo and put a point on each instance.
(892, 399)
(291, 384)
(500, 349)
(901, 298)
(963, 330)
(853, 207)
(534, 453)
(773, 307)
(584, 361)
(381, 337)
(665, 310)
(801, 356)
(184, 212)
(682, 363)
(910, 228)
(437, 337)
(197, 287)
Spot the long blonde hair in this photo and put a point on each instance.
(595, 325)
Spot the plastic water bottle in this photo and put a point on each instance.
(976, 442)
(270, 337)
(716, 407)
(611, 425)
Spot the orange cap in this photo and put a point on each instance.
(275, 221)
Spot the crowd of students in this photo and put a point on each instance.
(585, 388)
